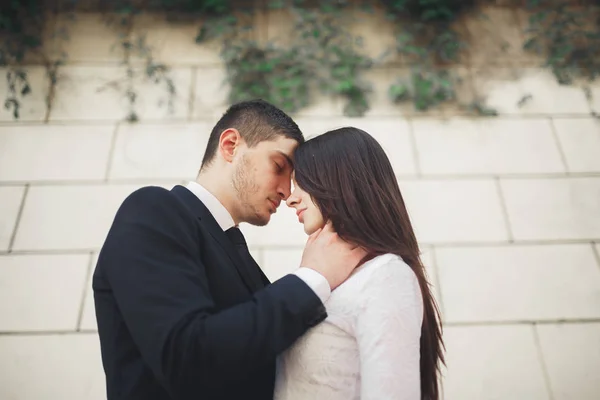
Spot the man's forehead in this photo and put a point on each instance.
(282, 145)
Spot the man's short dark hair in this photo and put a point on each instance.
(257, 121)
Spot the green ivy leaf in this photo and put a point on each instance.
(26, 90)
(398, 92)
(531, 43)
(276, 4)
(344, 86)
(538, 18)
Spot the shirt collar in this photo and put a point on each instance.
(216, 208)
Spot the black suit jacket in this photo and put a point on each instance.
(179, 315)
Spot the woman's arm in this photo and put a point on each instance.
(388, 330)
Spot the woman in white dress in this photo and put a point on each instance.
(382, 339)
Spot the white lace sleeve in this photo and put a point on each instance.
(388, 330)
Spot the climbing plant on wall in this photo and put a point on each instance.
(318, 55)
(426, 38)
(568, 37)
(21, 33)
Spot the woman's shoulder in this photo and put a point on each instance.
(388, 286)
(386, 270)
(385, 283)
(385, 265)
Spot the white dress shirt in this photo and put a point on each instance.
(312, 278)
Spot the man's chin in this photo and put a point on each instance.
(260, 220)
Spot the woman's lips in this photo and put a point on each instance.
(300, 213)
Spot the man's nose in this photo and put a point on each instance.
(285, 190)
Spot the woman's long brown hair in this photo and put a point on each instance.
(352, 182)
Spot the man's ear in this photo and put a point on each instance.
(229, 143)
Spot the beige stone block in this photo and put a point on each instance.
(163, 97)
(32, 105)
(92, 93)
(54, 152)
(280, 29)
(393, 134)
(70, 217)
(382, 104)
(88, 316)
(495, 37)
(594, 91)
(553, 209)
(284, 229)
(322, 105)
(12, 197)
(88, 93)
(257, 254)
(380, 34)
(377, 34)
(174, 41)
(493, 363)
(279, 262)
(580, 142)
(50, 367)
(89, 37)
(157, 151)
(528, 91)
(454, 211)
(211, 93)
(499, 89)
(428, 261)
(41, 292)
(519, 283)
(486, 146)
(572, 357)
(549, 97)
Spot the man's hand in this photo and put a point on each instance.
(332, 257)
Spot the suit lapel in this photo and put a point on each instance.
(211, 225)
(265, 281)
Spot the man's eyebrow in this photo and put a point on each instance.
(287, 158)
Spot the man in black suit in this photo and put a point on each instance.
(183, 310)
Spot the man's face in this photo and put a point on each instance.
(262, 178)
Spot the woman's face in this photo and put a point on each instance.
(307, 211)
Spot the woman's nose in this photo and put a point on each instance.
(292, 200)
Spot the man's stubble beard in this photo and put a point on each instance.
(244, 185)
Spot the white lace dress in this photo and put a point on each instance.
(368, 347)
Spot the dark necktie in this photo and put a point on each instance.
(237, 238)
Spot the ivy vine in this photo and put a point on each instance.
(21, 25)
(568, 36)
(321, 56)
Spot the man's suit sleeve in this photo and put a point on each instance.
(151, 261)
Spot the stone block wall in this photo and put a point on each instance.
(507, 209)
